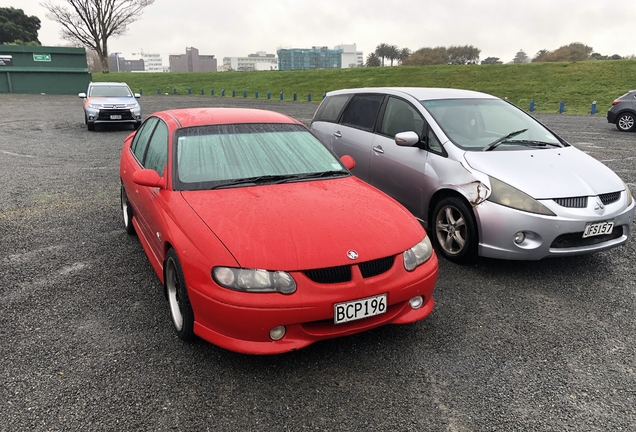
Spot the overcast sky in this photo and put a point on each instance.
(499, 28)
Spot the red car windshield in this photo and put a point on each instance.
(209, 157)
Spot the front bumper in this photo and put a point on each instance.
(242, 321)
(123, 115)
(549, 236)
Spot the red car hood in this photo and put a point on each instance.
(306, 225)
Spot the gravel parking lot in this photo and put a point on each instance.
(86, 340)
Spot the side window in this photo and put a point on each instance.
(157, 154)
(330, 109)
(433, 143)
(140, 142)
(362, 111)
(400, 116)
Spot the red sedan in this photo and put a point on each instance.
(263, 240)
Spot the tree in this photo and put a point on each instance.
(392, 53)
(404, 54)
(491, 60)
(521, 57)
(573, 52)
(373, 60)
(427, 56)
(382, 51)
(92, 23)
(462, 55)
(18, 28)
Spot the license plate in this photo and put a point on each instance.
(115, 117)
(358, 309)
(598, 228)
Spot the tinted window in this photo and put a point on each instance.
(400, 116)
(157, 154)
(362, 111)
(331, 108)
(140, 142)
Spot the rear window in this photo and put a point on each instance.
(330, 109)
(362, 111)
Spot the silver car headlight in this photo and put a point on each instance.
(94, 105)
(253, 280)
(504, 194)
(629, 194)
(418, 254)
(132, 105)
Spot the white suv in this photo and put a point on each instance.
(110, 102)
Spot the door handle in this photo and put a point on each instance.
(378, 149)
(337, 134)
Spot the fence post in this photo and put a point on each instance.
(202, 92)
(233, 93)
(309, 97)
(244, 94)
(593, 108)
(141, 92)
(189, 90)
(532, 106)
(256, 95)
(223, 92)
(281, 95)
(562, 107)
(212, 92)
(269, 95)
(158, 90)
(295, 96)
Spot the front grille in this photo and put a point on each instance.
(376, 267)
(124, 113)
(576, 239)
(330, 275)
(574, 202)
(340, 274)
(609, 198)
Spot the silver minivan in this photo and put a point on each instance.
(481, 175)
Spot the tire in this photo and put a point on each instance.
(178, 300)
(455, 233)
(85, 119)
(90, 126)
(626, 122)
(126, 211)
(136, 125)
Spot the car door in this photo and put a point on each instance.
(152, 200)
(354, 133)
(399, 171)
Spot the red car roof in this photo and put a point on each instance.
(209, 116)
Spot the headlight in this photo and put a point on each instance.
(629, 194)
(418, 254)
(94, 105)
(508, 196)
(132, 105)
(250, 280)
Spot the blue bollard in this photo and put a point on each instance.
(281, 95)
(233, 93)
(324, 95)
(223, 92)
(158, 90)
(309, 97)
(202, 92)
(189, 90)
(256, 95)
(244, 94)
(269, 95)
(562, 107)
(531, 106)
(174, 90)
(295, 96)
(212, 92)
(141, 92)
(593, 111)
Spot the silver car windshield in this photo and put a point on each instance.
(110, 91)
(489, 124)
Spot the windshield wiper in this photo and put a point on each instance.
(533, 143)
(279, 178)
(498, 141)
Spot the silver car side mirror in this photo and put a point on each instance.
(407, 139)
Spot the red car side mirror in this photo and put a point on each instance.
(148, 177)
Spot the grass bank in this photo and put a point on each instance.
(578, 84)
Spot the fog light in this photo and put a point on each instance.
(416, 302)
(519, 237)
(277, 333)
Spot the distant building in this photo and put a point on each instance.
(191, 61)
(309, 58)
(147, 63)
(350, 56)
(118, 63)
(258, 61)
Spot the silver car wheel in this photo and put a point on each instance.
(625, 122)
(451, 230)
(177, 295)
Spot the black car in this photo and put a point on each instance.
(622, 113)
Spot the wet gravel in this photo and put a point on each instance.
(86, 342)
